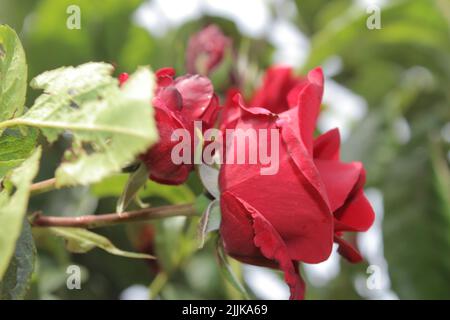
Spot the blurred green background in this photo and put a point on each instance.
(399, 127)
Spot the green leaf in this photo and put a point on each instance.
(17, 278)
(228, 273)
(109, 126)
(13, 205)
(209, 222)
(15, 147)
(113, 187)
(81, 241)
(13, 74)
(135, 182)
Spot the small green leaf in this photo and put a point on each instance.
(80, 240)
(210, 179)
(17, 278)
(13, 74)
(228, 272)
(209, 222)
(113, 187)
(109, 125)
(135, 182)
(13, 205)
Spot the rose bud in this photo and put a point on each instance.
(177, 103)
(205, 50)
(296, 214)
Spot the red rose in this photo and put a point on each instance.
(177, 103)
(206, 49)
(294, 215)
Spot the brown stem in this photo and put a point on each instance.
(103, 220)
(42, 186)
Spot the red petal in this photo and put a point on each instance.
(231, 112)
(170, 98)
(273, 247)
(164, 76)
(237, 232)
(158, 158)
(344, 183)
(293, 208)
(304, 162)
(339, 178)
(197, 92)
(211, 113)
(292, 96)
(273, 93)
(251, 110)
(356, 215)
(308, 103)
(327, 145)
(231, 172)
(348, 251)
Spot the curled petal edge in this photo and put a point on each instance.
(273, 247)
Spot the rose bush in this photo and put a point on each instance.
(274, 220)
(295, 215)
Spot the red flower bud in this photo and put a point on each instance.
(206, 49)
(178, 103)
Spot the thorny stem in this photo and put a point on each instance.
(109, 219)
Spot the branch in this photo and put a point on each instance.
(109, 219)
(42, 186)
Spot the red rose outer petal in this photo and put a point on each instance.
(347, 250)
(327, 145)
(273, 247)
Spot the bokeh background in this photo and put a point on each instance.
(386, 89)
